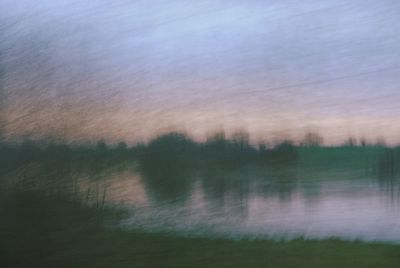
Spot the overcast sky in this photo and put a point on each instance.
(126, 69)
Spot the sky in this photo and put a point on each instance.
(130, 70)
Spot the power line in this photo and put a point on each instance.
(215, 99)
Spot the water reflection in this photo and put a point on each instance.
(251, 201)
(388, 172)
(167, 187)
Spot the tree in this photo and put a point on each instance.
(363, 142)
(312, 140)
(351, 142)
(101, 146)
(122, 146)
(241, 140)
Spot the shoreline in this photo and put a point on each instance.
(38, 231)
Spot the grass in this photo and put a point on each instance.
(38, 231)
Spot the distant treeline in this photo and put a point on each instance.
(168, 151)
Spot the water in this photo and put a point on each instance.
(258, 204)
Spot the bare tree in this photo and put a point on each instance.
(241, 139)
(312, 139)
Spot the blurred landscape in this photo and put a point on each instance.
(199, 133)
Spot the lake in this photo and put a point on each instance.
(257, 203)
